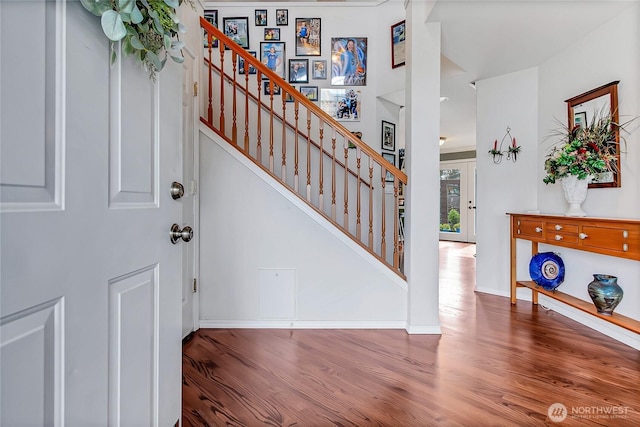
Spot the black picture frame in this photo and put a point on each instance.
(298, 71)
(398, 38)
(391, 158)
(241, 67)
(282, 17)
(261, 17)
(276, 88)
(308, 36)
(580, 119)
(275, 63)
(237, 29)
(288, 97)
(388, 136)
(311, 92)
(319, 69)
(211, 16)
(272, 34)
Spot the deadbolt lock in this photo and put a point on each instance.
(177, 190)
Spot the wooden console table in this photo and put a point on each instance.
(607, 236)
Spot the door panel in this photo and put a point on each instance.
(36, 332)
(457, 201)
(31, 169)
(90, 283)
(133, 335)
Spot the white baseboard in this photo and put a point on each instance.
(612, 331)
(301, 324)
(609, 329)
(423, 330)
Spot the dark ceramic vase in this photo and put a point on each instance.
(605, 293)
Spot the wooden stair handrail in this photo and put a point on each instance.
(290, 90)
(373, 228)
(282, 119)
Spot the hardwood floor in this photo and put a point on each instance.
(494, 365)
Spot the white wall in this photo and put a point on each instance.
(254, 230)
(510, 101)
(528, 102)
(333, 285)
(609, 53)
(337, 20)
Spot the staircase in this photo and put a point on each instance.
(312, 155)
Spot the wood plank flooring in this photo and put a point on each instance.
(494, 365)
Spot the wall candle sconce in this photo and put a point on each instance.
(512, 148)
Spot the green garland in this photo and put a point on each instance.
(147, 29)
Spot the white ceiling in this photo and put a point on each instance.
(482, 39)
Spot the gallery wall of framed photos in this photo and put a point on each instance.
(339, 56)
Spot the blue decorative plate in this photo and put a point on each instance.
(547, 270)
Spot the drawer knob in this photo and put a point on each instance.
(625, 247)
(582, 236)
(625, 234)
(558, 227)
(538, 230)
(558, 237)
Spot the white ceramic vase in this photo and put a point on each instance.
(575, 192)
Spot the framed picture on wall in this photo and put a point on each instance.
(288, 97)
(342, 104)
(237, 29)
(272, 54)
(349, 61)
(397, 44)
(282, 17)
(211, 16)
(388, 136)
(580, 119)
(242, 68)
(298, 71)
(307, 36)
(268, 86)
(272, 34)
(261, 17)
(311, 92)
(319, 69)
(391, 158)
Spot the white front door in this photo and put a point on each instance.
(90, 282)
(458, 201)
(189, 200)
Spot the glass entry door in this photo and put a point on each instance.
(458, 201)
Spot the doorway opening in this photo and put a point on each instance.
(458, 201)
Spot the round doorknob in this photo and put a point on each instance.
(176, 233)
(177, 190)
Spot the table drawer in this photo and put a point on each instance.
(623, 240)
(557, 226)
(529, 228)
(560, 238)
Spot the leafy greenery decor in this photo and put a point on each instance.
(146, 28)
(584, 150)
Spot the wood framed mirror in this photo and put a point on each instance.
(581, 109)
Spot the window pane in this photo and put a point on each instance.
(450, 200)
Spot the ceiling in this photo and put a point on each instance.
(482, 39)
